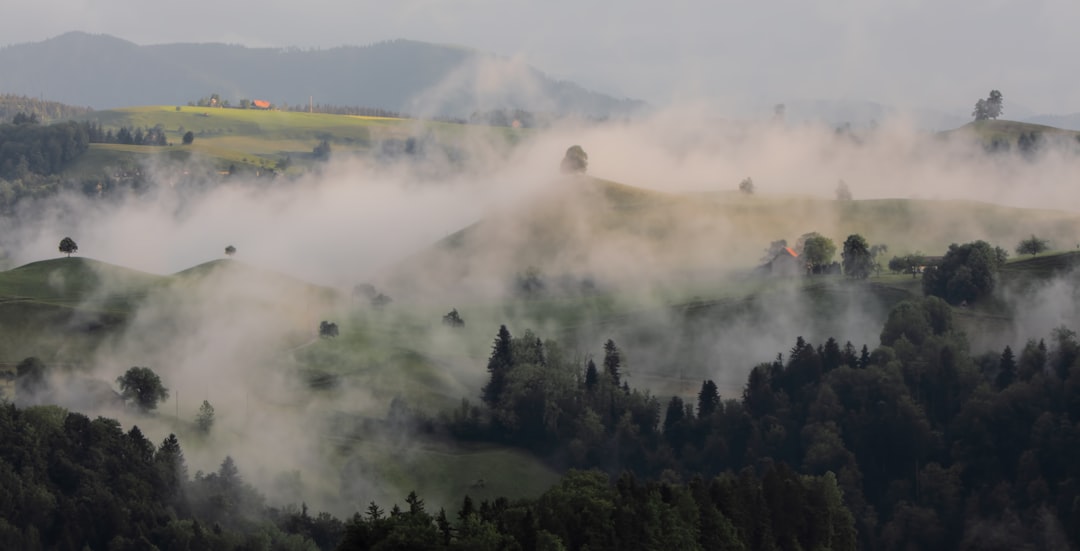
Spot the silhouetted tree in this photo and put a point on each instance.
(230, 250)
(1033, 246)
(328, 329)
(68, 246)
(188, 138)
(142, 386)
(453, 319)
(576, 161)
(205, 418)
(857, 260)
(747, 186)
(708, 399)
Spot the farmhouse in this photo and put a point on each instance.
(260, 104)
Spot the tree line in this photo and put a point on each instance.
(126, 135)
(12, 105)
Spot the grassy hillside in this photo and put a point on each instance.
(1004, 134)
(259, 139)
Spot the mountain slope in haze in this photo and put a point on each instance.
(600, 232)
(401, 75)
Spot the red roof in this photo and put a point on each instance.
(261, 104)
(791, 252)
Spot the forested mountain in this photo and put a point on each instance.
(107, 72)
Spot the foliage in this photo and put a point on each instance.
(989, 108)
(816, 252)
(747, 186)
(204, 420)
(966, 273)
(189, 138)
(33, 149)
(858, 261)
(230, 250)
(142, 386)
(68, 246)
(576, 161)
(453, 319)
(12, 105)
(1033, 246)
(910, 263)
(328, 329)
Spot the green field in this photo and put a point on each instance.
(255, 139)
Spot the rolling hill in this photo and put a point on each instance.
(106, 72)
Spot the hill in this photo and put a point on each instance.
(107, 72)
(614, 234)
(262, 140)
(1004, 135)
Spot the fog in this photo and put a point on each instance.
(667, 272)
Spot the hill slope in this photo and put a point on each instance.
(107, 72)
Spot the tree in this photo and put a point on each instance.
(747, 186)
(321, 152)
(143, 386)
(230, 250)
(708, 399)
(453, 319)
(995, 104)
(189, 137)
(498, 366)
(981, 111)
(816, 251)
(576, 161)
(843, 192)
(1032, 246)
(68, 246)
(967, 272)
(205, 419)
(328, 329)
(858, 262)
(612, 361)
(989, 108)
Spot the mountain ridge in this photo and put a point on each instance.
(416, 77)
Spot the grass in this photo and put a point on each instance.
(257, 139)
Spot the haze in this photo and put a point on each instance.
(914, 54)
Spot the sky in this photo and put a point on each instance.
(906, 53)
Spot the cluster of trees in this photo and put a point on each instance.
(70, 482)
(931, 447)
(990, 108)
(29, 149)
(453, 319)
(777, 510)
(125, 135)
(814, 253)
(966, 273)
(13, 105)
(576, 161)
(328, 329)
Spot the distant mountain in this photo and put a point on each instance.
(405, 76)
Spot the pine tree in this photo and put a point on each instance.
(864, 357)
(1006, 369)
(612, 361)
(708, 399)
(592, 377)
(499, 364)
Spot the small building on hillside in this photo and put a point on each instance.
(785, 263)
(260, 104)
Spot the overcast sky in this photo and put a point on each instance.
(908, 53)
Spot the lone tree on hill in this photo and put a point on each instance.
(189, 137)
(989, 108)
(747, 186)
(966, 272)
(575, 160)
(230, 250)
(1032, 246)
(143, 386)
(68, 246)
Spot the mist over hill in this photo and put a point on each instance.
(405, 76)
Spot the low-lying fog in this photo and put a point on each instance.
(231, 340)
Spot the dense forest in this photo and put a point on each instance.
(915, 444)
(44, 111)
